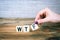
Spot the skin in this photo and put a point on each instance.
(48, 16)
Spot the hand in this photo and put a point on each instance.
(46, 15)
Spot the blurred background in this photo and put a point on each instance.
(26, 8)
(12, 10)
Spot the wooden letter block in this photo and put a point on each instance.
(34, 27)
(19, 28)
(26, 28)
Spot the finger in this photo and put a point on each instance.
(42, 20)
(37, 17)
(39, 14)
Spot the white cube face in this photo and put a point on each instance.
(19, 28)
(26, 28)
(34, 27)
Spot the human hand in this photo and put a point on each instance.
(46, 15)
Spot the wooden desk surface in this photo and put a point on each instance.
(8, 30)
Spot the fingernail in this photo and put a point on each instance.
(36, 22)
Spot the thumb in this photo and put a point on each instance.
(42, 20)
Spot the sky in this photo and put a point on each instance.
(26, 8)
